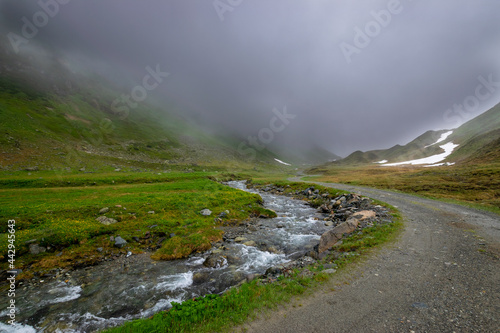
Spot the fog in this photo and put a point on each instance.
(352, 75)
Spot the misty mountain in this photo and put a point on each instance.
(53, 118)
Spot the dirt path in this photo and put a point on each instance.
(442, 275)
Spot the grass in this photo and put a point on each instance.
(63, 219)
(474, 185)
(222, 312)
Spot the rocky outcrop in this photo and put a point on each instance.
(331, 237)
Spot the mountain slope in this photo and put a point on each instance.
(55, 119)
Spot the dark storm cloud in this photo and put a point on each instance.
(348, 90)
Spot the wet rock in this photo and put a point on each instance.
(37, 249)
(215, 261)
(200, 277)
(250, 243)
(106, 220)
(104, 210)
(120, 242)
(206, 212)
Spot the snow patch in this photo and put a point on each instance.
(382, 162)
(448, 149)
(443, 137)
(281, 162)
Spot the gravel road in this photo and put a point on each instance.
(442, 275)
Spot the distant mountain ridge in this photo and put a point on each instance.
(478, 139)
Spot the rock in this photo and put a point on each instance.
(329, 238)
(35, 168)
(151, 212)
(329, 271)
(324, 209)
(118, 169)
(364, 214)
(240, 239)
(120, 242)
(250, 243)
(215, 261)
(222, 215)
(82, 169)
(37, 249)
(129, 253)
(106, 220)
(206, 212)
(200, 277)
(99, 249)
(328, 223)
(104, 210)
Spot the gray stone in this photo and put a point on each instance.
(120, 242)
(206, 212)
(329, 271)
(151, 212)
(250, 243)
(106, 220)
(240, 239)
(37, 249)
(104, 210)
(331, 237)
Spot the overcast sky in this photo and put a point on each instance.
(356, 74)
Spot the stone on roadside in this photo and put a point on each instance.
(120, 242)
